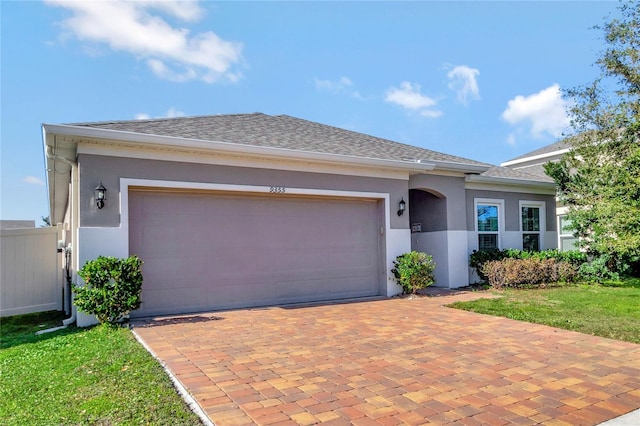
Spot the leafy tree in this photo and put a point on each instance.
(46, 221)
(599, 178)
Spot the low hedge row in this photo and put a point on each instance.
(479, 258)
(529, 272)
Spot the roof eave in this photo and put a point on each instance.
(546, 155)
(283, 153)
(510, 181)
(58, 163)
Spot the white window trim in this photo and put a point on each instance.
(561, 212)
(543, 220)
(501, 221)
(560, 232)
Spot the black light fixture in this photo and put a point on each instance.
(101, 195)
(401, 206)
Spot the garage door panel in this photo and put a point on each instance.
(214, 251)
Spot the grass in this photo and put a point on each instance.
(611, 310)
(96, 376)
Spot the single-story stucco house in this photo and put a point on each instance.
(252, 209)
(533, 163)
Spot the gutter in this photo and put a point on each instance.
(509, 181)
(51, 156)
(535, 157)
(236, 148)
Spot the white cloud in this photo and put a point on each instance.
(464, 83)
(542, 112)
(337, 86)
(343, 85)
(171, 53)
(430, 113)
(33, 180)
(171, 113)
(408, 96)
(511, 139)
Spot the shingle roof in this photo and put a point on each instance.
(560, 145)
(507, 173)
(280, 131)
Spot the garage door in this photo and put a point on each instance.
(206, 251)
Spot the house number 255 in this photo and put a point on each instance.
(277, 190)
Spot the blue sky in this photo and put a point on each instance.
(480, 80)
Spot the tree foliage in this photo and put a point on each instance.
(599, 178)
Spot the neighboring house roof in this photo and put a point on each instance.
(532, 163)
(557, 148)
(283, 132)
(17, 224)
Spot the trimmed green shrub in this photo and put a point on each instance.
(413, 271)
(111, 288)
(598, 270)
(516, 273)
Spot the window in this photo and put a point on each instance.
(488, 223)
(531, 224)
(567, 239)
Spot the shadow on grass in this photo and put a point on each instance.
(20, 330)
(626, 283)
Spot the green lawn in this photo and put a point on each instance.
(100, 375)
(611, 310)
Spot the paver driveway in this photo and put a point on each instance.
(394, 361)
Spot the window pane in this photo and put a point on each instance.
(567, 244)
(487, 241)
(487, 218)
(530, 219)
(531, 242)
(564, 225)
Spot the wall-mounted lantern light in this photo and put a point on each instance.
(401, 206)
(101, 195)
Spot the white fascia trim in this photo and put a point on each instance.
(459, 167)
(536, 157)
(238, 160)
(490, 180)
(509, 188)
(191, 144)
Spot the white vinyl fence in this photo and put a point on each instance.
(31, 274)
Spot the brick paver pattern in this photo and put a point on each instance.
(393, 361)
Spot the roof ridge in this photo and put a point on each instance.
(160, 119)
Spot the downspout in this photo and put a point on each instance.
(70, 256)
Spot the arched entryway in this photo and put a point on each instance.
(428, 221)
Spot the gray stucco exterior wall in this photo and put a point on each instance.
(512, 207)
(452, 188)
(108, 170)
(427, 210)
